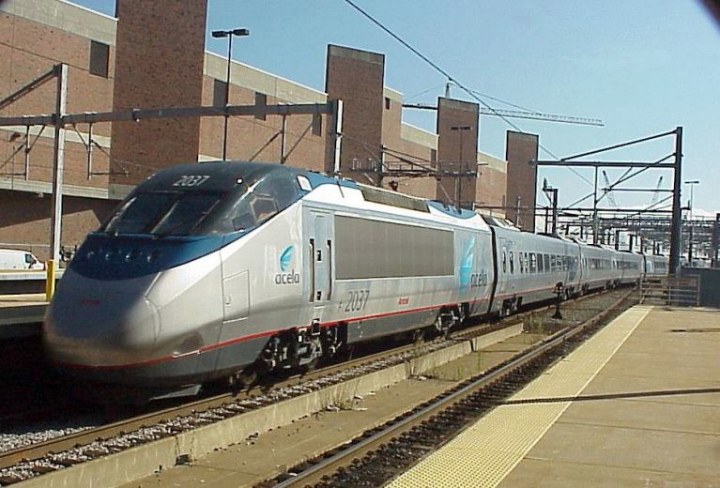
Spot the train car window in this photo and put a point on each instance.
(367, 248)
(263, 207)
(186, 214)
(512, 263)
(522, 262)
(243, 221)
(504, 262)
(138, 213)
(533, 262)
(285, 191)
(260, 200)
(540, 263)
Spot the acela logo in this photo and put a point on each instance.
(285, 277)
(286, 258)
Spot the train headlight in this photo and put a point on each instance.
(131, 255)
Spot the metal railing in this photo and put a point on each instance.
(677, 291)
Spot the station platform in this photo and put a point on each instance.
(21, 315)
(636, 405)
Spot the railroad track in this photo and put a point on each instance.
(217, 407)
(382, 453)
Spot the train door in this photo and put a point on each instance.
(320, 252)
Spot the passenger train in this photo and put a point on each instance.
(206, 271)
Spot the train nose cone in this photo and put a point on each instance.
(100, 325)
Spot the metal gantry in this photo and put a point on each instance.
(671, 161)
(60, 119)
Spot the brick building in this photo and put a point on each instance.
(138, 60)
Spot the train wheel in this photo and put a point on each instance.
(243, 380)
(504, 311)
(309, 366)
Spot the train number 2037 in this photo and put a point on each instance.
(191, 180)
(356, 300)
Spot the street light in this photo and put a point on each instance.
(229, 34)
(458, 186)
(692, 184)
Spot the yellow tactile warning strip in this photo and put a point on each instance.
(486, 452)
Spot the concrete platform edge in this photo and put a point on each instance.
(144, 460)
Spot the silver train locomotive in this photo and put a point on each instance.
(206, 271)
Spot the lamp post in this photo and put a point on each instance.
(458, 187)
(229, 34)
(692, 184)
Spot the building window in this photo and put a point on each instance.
(219, 93)
(387, 103)
(317, 125)
(99, 58)
(260, 101)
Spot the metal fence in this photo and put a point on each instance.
(677, 291)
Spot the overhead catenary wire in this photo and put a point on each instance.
(450, 78)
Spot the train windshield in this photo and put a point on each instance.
(163, 214)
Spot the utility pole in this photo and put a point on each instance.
(676, 228)
(461, 171)
(58, 161)
(229, 34)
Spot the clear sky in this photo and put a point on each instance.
(641, 66)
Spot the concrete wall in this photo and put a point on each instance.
(256, 139)
(34, 36)
(25, 222)
(419, 146)
(491, 184)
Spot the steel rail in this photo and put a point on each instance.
(404, 422)
(105, 432)
(41, 449)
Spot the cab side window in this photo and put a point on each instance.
(267, 197)
(263, 208)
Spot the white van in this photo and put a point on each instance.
(13, 259)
